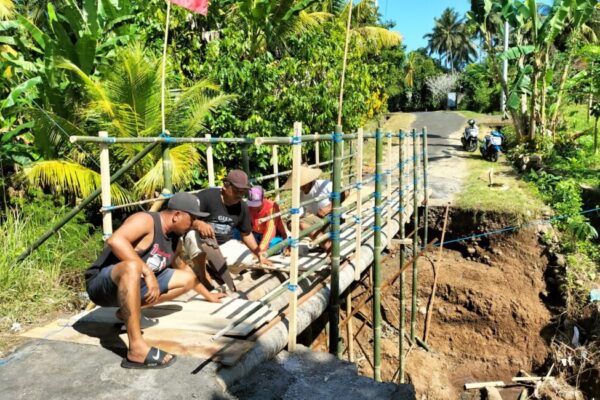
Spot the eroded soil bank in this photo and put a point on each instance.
(490, 316)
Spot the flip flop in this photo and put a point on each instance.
(155, 359)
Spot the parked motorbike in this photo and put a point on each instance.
(469, 139)
(492, 146)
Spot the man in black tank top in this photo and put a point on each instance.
(140, 267)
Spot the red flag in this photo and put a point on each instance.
(199, 6)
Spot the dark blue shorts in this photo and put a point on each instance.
(104, 292)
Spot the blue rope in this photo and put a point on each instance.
(296, 140)
(357, 220)
(516, 227)
(334, 235)
(292, 288)
(168, 138)
(338, 137)
(376, 228)
(294, 211)
(388, 135)
(293, 242)
(358, 185)
(335, 196)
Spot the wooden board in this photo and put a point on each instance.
(177, 341)
(194, 314)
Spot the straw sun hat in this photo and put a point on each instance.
(307, 175)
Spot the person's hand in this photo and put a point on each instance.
(153, 293)
(287, 252)
(263, 258)
(215, 297)
(204, 229)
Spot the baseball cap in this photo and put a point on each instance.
(238, 178)
(255, 196)
(188, 203)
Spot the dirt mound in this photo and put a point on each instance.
(487, 319)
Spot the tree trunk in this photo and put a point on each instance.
(543, 94)
(561, 89)
(533, 102)
(590, 103)
(596, 137)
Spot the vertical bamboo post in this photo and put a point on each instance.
(389, 201)
(342, 164)
(413, 311)
(402, 312)
(358, 215)
(317, 149)
(275, 162)
(425, 189)
(377, 259)
(167, 166)
(293, 285)
(209, 163)
(107, 228)
(350, 325)
(334, 300)
(245, 159)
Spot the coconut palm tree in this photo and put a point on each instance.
(450, 39)
(126, 103)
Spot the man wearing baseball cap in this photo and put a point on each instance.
(212, 238)
(139, 267)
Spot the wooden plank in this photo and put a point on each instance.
(177, 341)
(195, 314)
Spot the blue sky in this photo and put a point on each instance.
(414, 18)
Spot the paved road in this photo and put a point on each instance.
(447, 165)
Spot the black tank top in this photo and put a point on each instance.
(158, 256)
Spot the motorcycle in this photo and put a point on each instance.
(491, 147)
(469, 139)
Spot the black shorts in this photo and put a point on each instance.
(104, 292)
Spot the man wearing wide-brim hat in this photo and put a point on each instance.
(311, 187)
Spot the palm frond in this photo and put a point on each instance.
(184, 159)
(7, 9)
(52, 132)
(377, 37)
(66, 176)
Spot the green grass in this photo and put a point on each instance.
(51, 278)
(509, 194)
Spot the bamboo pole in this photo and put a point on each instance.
(163, 75)
(402, 314)
(377, 257)
(388, 172)
(334, 305)
(317, 150)
(344, 64)
(107, 227)
(83, 204)
(275, 162)
(293, 285)
(358, 214)
(164, 139)
(413, 310)
(209, 162)
(167, 169)
(245, 160)
(350, 326)
(425, 187)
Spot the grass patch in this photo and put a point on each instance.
(51, 278)
(509, 194)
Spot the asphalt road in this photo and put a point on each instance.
(447, 165)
